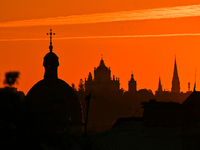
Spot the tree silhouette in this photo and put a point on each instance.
(81, 86)
(73, 87)
(11, 78)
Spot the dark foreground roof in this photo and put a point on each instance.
(134, 136)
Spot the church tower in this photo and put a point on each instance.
(132, 85)
(175, 80)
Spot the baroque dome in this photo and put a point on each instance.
(102, 66)
(55, 95)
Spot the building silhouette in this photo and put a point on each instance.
(53, 96)
(174, 95)
(164, 125)
(109, 102)
(132, 85)
(102, 80)
(175, 80)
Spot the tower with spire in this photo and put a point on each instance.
(132, 85)
(160, 94)
(175, 80)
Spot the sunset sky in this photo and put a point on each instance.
(139, 36)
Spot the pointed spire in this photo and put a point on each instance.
(159, 85)
(175, 69)
(175, 79)
(50, 46)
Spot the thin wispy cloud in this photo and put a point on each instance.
(158, 13)
(104, 37)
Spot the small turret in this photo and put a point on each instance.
(132, 85)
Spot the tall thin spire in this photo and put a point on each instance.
(50, 46)
(159, 85)
(175, 79)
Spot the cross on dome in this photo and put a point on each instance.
(50, 46)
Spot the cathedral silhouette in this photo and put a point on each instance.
(175, 94)
(102, 80)
(54, 95)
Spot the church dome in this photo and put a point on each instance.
(102, 73)
(55, 96)
(51, 59)
(102, 66)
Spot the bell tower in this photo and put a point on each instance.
(132, 85)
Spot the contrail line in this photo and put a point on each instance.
(156, 13)
(104, 37)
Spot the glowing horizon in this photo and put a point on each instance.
(157, 13)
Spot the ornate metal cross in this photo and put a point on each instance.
(51, 46)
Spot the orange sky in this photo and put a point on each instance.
(119, 41)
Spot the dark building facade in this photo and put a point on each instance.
(102, 80)
(164, 125)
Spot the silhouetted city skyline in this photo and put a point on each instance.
(109, 75)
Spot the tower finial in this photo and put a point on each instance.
(195, 80)
(132, 75)
(101, 56)
(50, 46)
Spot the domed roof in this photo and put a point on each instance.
(102, 66)
(53, 96)
(51, 59)
(57, 96)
